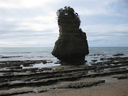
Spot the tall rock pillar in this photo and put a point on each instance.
(71, 46)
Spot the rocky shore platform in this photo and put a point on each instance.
(19, 78)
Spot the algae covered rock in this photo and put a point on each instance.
(71, 46)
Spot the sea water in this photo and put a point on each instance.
(44, 53)
(96, 53)
(108, 50)
(25, 53)
(29, 53)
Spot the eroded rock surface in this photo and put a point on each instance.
(71, 46)
(38, 80)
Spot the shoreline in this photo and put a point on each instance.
(65, 80)
(118, 88)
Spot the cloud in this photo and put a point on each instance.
(103, 7)
(39, 23)
(26, 39)
(107, 35)
(108, 41)
(24, 3)
(34, 22)
(105, 28)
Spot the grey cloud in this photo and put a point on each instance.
(21, 13)
(17, 33)
(109, 41)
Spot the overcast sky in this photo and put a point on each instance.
(33, 23)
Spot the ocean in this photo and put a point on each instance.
(44, 53)
(35, 68)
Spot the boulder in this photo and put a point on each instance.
(71, 46)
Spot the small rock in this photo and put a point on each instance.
(94, 60)
(119, 54)
(44, 61)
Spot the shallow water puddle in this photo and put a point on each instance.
(109, 79)
(41, 65)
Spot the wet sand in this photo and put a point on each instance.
(118, 88)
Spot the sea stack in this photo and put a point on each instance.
(71, 46)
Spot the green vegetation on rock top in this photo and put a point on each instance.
(68, 15)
